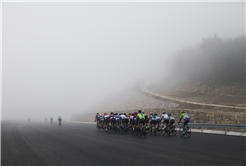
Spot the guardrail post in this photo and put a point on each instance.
(225, 131)
(202, 129)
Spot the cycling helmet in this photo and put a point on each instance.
(132, 114)
(155, 113)
(143, 111)
(169, 114)
(135, 113)
(163, 112)
(183, 112)
(111, 113)
(116, 113)
(129, 114)
(139, 111)
(151, 113)
(105, 113)
(97, 113)
(124, 113)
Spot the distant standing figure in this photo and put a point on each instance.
(59, 119)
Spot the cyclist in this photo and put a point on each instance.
(152, 120)
(117, 119)
(171, 120)
(106, 120)
(130, 119)
(145, 117)
(165, 118)
(126, 121)
(111, 118)
(97, 117)
(122, 118)
(158, 121)
(129, 115)
(101, 122)
(134, 120)
(51, 119)
(186, 120)
(140, 119)
(59, 119)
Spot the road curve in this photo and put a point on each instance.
(42, 143)
(191, 102)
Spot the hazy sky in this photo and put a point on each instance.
(60, 57)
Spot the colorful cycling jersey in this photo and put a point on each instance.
(106, 117)
(117, 118)
(185, 116)
(122, 116)
(126, 117)
(152, 117)
(131, 117)
(171, 118)
(112, 117)
(157, 118)
(140, 116)
(164, 116)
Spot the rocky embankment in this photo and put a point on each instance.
(130, 101)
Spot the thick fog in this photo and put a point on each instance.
(60, 58)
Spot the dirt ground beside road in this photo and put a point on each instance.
(201, 98)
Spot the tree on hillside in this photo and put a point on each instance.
(214, 62)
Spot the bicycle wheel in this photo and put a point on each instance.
(163, 132)
(174, 132)
(188, 134)
(168, 132)
(144, 134)
(181, 131)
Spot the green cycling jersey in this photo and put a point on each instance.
(184, 115)
(171, 117)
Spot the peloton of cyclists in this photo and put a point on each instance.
(135, 119)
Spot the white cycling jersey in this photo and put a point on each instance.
(122, 116)
(165, 117)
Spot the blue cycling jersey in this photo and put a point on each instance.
(152, 117)
(117, 118)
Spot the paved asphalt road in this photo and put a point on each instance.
(40, 143)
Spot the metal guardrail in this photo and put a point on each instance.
(207, 125)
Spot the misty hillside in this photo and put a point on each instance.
(128, 100)
(215, 61)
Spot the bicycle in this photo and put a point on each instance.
(166, 131)
(155, 131)
(187, 131)
(141, 131)
(113, 129)
(173, 130)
